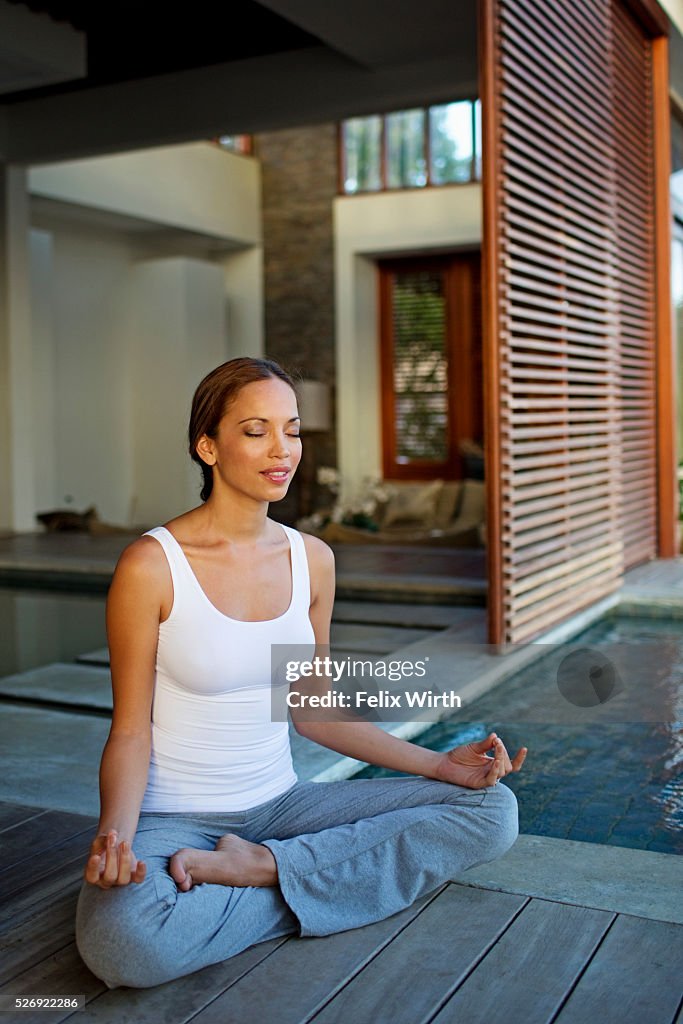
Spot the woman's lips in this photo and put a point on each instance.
(276, 477)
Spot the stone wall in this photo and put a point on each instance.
(299, 174)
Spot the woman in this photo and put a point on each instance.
(207, 841)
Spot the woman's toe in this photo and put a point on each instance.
(179, 872)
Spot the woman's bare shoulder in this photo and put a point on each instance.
(143, 556)
(320, 562)
(317, 550)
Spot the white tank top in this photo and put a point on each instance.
(214, 745)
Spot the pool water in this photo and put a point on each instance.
(43, 626)
(618, 784)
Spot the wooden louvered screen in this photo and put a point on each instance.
(569, 297)
(633, 140)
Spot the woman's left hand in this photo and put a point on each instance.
(469, 766)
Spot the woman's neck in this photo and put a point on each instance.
(233, 522)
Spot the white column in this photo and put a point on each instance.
(17, 435)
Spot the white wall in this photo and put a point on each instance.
(197, 187)
(44, 371)
(244, 294)
(126, 317)
(90, 325)
(674, 8)
(119, 346)
(179, 335)
(367, 227)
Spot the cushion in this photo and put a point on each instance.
(446, 503)
(473, 502)
(413, 501)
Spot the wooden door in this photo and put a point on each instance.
(431, 373)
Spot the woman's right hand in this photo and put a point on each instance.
(112, 862)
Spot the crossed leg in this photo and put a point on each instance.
(347, 853)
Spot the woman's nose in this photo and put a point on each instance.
(280, 447)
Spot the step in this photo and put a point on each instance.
(421, 616)
(61, 683)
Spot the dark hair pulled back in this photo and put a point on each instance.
(214, 395)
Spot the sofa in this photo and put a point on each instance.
(438, 513)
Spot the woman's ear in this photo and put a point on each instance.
(205, 450)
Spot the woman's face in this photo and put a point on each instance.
(258, 447)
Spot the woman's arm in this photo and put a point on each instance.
(350, 735)
(132, 616)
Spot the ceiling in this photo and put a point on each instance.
(101, 77)
(126, 40)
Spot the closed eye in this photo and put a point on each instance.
(247, 434)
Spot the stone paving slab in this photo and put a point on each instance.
(616, 878)
(425, 616)
(51, 758)
(98, 657)
(352, 636)
(62, 682)
(382, 639)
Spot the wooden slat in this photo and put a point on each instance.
(526, 538)
(574, 305)
(576, 599)
(68, 856)
(268, 975)
(532, 968)
(64, 973)
(20, 906)
(638, 966)
(48, 929)
(36, 836)
(15, 814)
(547, 580)
(413, 974)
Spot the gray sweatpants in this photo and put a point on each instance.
(348, 853)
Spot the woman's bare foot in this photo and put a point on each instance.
(234, 861)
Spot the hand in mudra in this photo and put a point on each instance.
(112, 862)
(469, 766)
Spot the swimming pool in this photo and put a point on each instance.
(43, 626)
(618, 783)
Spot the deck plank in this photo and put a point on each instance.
(306, 971)
(62, 973)
(636, 974)
(410, 977)
(14, 814)
(179, 1001)
(18, 907)
(37, 835)
(63, 859)
(530, 970)
(48, 928)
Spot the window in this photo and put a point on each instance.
(440, 145)
(430, 364)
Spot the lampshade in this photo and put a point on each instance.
(314, 405)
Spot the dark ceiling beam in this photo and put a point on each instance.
(385, 32)
(265, 93)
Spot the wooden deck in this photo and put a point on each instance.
(462, 953)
